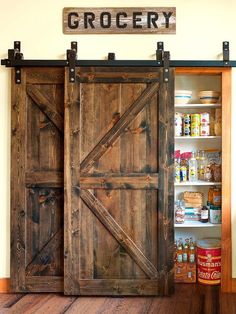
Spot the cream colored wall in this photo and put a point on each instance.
(201, 28)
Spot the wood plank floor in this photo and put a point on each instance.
(188, 299)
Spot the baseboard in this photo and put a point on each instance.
(4, 285)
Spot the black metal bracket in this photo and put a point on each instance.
(226, 52)
(13, 56)
(111, 56)
(71, 60)
(166, 66)
(160, 51)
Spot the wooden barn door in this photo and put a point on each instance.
(118, 182)
(37, 165)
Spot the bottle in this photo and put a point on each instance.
(204, 214)
(180, 251)
(185, 250)
(191, 254)
(202, 164)
(177, 170)
(193, 176)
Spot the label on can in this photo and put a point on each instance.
(209, 261)
(195, 129)
(178, 124)
(205, 129)
(195, 118)
(205, 117)
(215, 214)
(187, 118)
(187, 129)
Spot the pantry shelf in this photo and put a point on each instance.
(196, 224)
(197, 137)
(195, 106)
(197, 183)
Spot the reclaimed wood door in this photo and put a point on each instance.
(37, 163)
(119, 144)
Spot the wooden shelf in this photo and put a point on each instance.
(196, 224)
(197, 137)
(187, 183)
(195, 106)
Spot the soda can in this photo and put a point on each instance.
(205, 117)
(178, 124)
(195, 118)
(195, 129)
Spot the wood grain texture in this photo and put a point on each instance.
(119, 20)
(120, 181)
(111, 152)
(108, 140)
(166, 185)
(36, 181)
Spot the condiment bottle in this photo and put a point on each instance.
(191, 254)
(202, 164)
(185, 251)
(204, 214)
(193, 169)
(180, 251)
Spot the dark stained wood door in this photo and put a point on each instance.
(118, 215)
(37, 163)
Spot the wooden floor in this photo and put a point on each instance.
(187, 299)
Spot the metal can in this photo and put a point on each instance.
(195, 129)
(187, 129)
(209, 261)
(215, 214)
(195, 118)
(178, 124)
(205, 129)
(205, 117)
(187, 118)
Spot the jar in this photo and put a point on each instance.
(216, 197)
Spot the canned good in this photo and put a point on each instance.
(205, 129)
(209, 261)
(195, 129)
(187, 129)
(215, 214)
(187, 118)
(195, 118)
(205, 117)
(178, 124)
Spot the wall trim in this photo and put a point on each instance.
(4, 285)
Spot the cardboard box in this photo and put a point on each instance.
(185, 272)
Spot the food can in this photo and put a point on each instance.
(205, 129)
(205, 117)
(187, 118)
(195, 118)
(178, 124)
(209, 261)
(187, 129)
(195, 129)
(215, 214)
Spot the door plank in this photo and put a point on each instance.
(44, 179)
(46, 106)
(120, 181)
(108, 140)
(118, 233)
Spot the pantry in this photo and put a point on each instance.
(92, 175)
(202, 177)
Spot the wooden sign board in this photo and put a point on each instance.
(119, 20)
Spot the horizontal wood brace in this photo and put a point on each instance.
(120, 181)
(44, 179)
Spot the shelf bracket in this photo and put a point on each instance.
(71, 60)
(226, 52)
(166, 66)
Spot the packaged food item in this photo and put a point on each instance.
(216, 172)
(195, 124)
(205, 129)
(177, 170)
(187, 124)
(202, 164)
(216, 197)
(193, 199)
(178, 124)
(218, 122)
(215, 214)
(193, 168)
(179, 212)
(205, 117)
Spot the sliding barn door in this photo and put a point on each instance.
(118, 182)
(37, 165)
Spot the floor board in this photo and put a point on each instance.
(187, 299)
